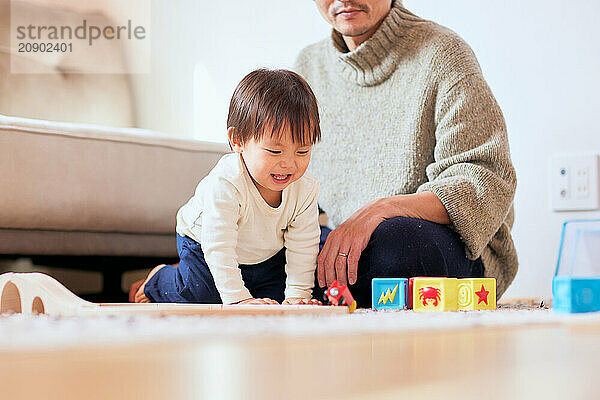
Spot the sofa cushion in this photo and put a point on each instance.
(64, 177)
(54, 87)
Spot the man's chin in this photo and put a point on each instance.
(352, 31)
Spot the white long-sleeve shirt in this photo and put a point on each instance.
(235, 225)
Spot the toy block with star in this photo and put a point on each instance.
(435, 294)
(476, 294)
(389, 293)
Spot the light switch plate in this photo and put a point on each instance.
(574, 182)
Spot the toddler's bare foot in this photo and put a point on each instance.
(140, 297)
(133, 289)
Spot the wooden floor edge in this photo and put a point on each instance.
(217, 309)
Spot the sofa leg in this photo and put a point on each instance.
(111, 287)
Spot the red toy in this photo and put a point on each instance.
(339, 295)
(430, 293)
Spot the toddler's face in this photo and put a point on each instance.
(274, 162)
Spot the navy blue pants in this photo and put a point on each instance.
(400, 247)
(192, 282)
(403, 247)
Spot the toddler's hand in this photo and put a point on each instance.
(300, 300)
(257, 301)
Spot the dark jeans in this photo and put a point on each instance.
(403, 247)
(400, 247)
(192, 282)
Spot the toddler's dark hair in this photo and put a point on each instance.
(271, 100)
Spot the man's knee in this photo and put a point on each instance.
(402, 235)
(403, 247)
(403, 229)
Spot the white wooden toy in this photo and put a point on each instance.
(37, 293)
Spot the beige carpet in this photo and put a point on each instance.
(35, 332)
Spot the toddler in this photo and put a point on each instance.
(250, 233)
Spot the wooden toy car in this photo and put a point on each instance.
(339, 295)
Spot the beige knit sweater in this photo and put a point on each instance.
(409, 111)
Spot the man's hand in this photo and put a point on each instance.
(344, 245)
(300, 300)
(351, 237)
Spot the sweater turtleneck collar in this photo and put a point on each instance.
(375, 59)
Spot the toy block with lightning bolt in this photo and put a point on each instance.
(477, 294)
(389, 293)
(435, 294)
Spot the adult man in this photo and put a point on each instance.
(414, 162)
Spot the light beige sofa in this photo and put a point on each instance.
(94, 197)
(82, 194)
(58, 91)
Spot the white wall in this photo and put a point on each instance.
(541, 59)
(229, 39)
